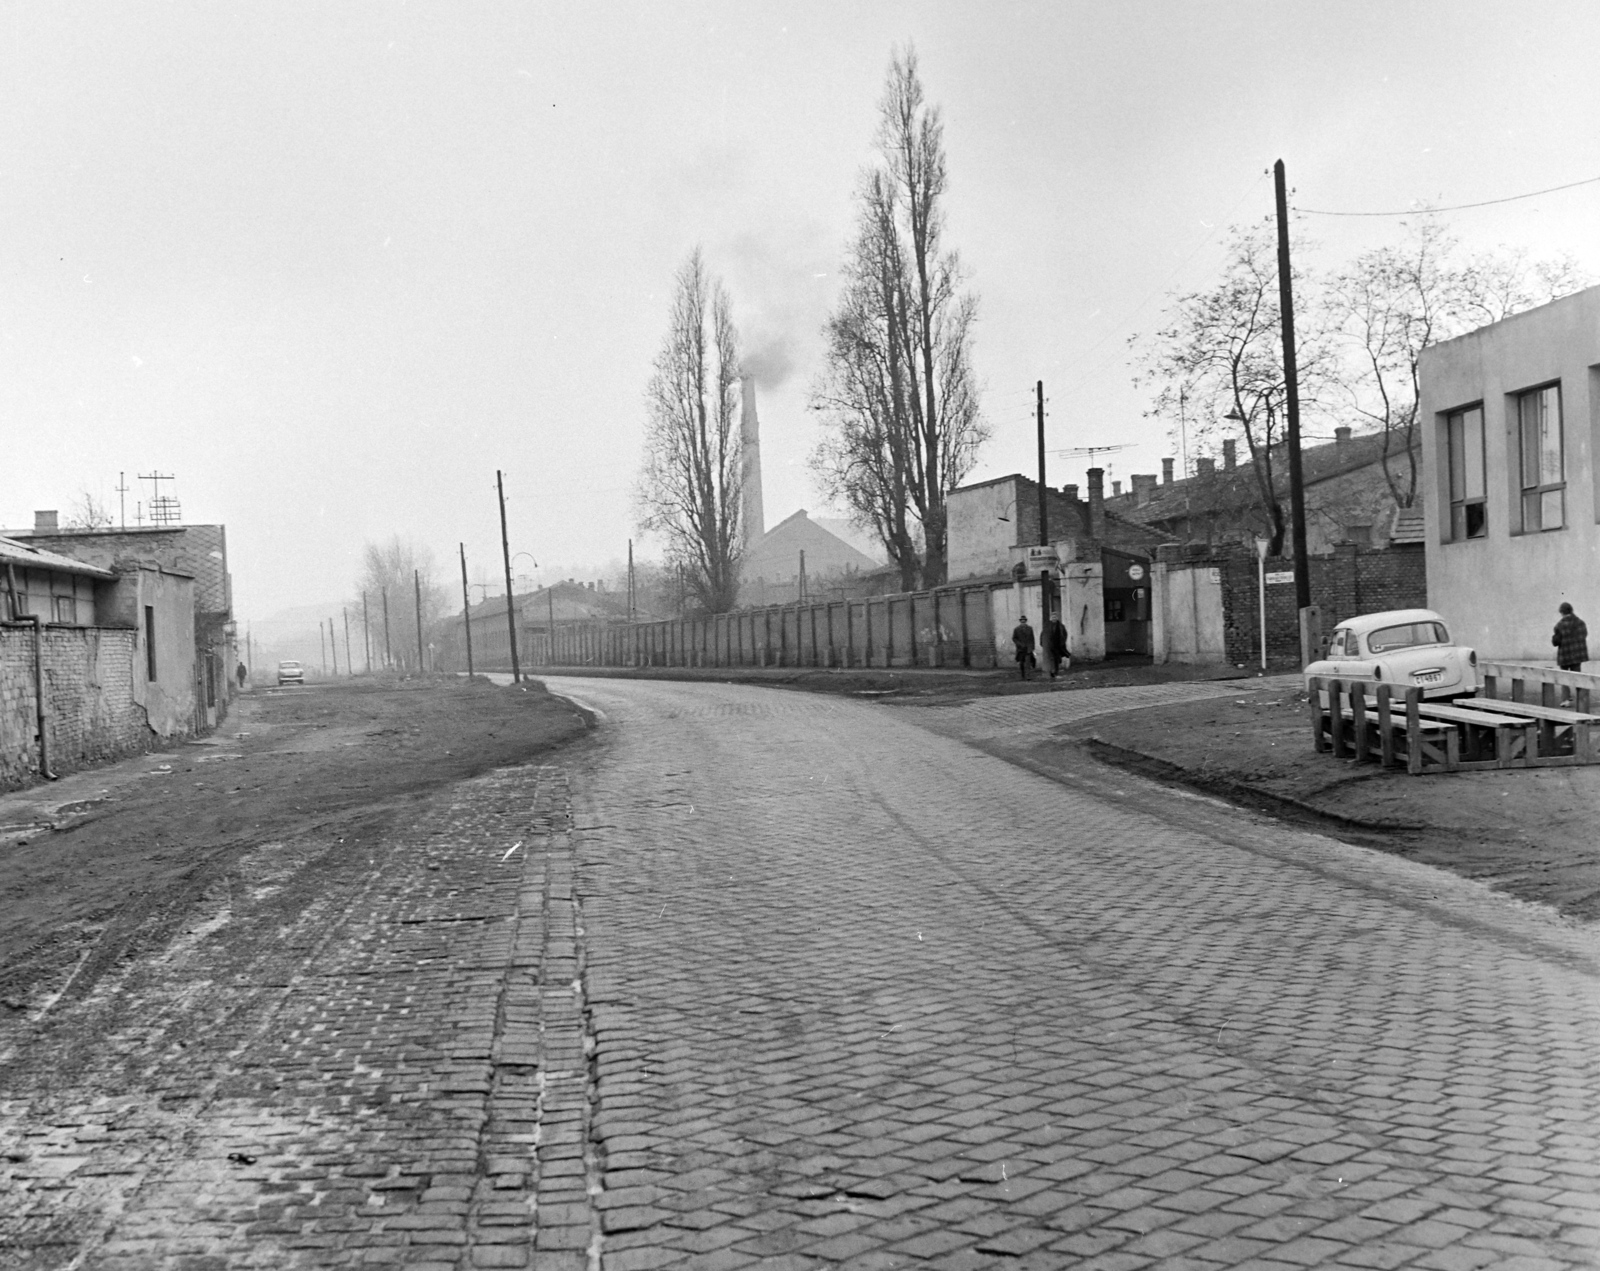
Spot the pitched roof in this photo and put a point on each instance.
(1231, 488)
(29, 557)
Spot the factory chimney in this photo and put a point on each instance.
(750, 511)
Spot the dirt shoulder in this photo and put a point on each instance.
(1528, 832)
(108, 861)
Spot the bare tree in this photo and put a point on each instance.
(1219, 363)
(391, 569)
(88, 513)
(897, 394)
(689, 486)
(1392, 302)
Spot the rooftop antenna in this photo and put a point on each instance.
(1089, 452)
(164, 508)
(122, 498)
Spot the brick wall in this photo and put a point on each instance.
(89, 689)
(1348, 582)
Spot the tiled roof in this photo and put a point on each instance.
(1409, 526)
(14, 553)
(1231, 488)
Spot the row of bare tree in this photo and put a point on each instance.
(1215, 367)
(897, 396)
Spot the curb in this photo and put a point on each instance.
(1238, 792)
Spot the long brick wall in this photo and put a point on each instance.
(92, 715)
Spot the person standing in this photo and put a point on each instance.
(1022, 640)
(1571, 640)
(1054, 640)
(242, 674)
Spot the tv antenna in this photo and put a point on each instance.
(164, 508)
(1089, 452)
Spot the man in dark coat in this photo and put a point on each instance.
(1054, 640)
(1571, 639)
(1022, 639)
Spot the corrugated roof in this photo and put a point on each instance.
(14, 553)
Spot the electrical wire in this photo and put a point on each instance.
(1458, 207)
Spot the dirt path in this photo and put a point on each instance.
(116, 861)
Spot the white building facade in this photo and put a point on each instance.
(1510, 420)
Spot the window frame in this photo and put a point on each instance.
(1538, 490)
(1459, 528)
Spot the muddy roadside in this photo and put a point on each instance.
(111, 862)
(1530, 832)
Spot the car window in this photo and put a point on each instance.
(1407, 635)
(1336, 646)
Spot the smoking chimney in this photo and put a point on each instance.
(755, 522)
(1166, 471)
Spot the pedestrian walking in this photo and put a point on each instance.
(242, 674)
(1054, 640)
(1571, 639)
(1022, 639)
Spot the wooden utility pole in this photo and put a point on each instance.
(366, 634)
(466, 608)
(349, 666)
(422, 662)
(334, 641)
(630, 580)
(323, 645)
(1297, 493)
(511, 603)
(1044, 510)
(388, 654)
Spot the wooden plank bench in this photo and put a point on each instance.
(1511, 740)
(1565, 735)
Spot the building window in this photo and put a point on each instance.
(1468, 511)
(1543, 482)
(150, 643)
(66, 610)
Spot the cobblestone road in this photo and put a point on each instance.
(766, 979)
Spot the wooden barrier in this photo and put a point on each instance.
(1486, 731)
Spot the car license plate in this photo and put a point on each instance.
(1427, 677)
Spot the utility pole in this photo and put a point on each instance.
(122, 501)
(630, 580)
(388, 657)
(466, 608)
(802, 575)
(550, 639)
(1297, 494)
(322, 643)
(1044, 510)
(511, 600)
(422, 662)
(333, 640)
(366, 633)
(349, 666)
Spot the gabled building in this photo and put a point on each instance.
(1348, 497)
(771, 572)
(1510, 430)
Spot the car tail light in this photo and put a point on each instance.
(1377, 672)
(1472, 657)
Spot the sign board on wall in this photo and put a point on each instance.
(1280, 575)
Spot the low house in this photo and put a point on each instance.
(1103, 559)
(95, 663)
(539, 615)
(197, 552)
(1511, 425)
(1347, 493)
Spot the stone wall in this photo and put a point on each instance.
(92, 717)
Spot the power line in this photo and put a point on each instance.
(1458, 207)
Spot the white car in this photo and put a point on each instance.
(1404, 648)
(290, 673)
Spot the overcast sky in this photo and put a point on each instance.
(332, 265)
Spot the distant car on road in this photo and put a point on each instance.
(291, 673)
(1404, 648)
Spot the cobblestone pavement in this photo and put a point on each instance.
(865, 996)
(763, 979)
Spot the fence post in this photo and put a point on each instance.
(1358, 717)
(1336, 716)
(1385, 727)
(1413, 730)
